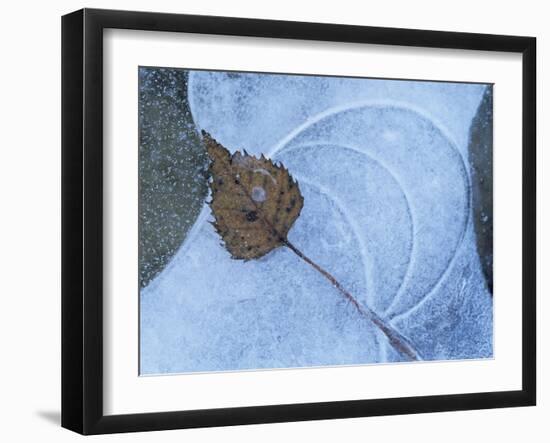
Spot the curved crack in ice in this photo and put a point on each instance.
(391, 174)
(444, 132)
(363, 250)
(467, 208)
(353, 225)
(407, 276)
(395, 316)
(364, 104)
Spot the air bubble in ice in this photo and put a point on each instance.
(258, 194)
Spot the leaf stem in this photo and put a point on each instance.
(397, 340)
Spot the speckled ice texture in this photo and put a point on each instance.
(383, 166)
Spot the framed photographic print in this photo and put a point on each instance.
(270, 221)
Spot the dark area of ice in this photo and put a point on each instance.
(480, 151)
(172, 179)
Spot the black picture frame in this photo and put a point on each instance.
(82, 218)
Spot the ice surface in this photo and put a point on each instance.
(382, 166)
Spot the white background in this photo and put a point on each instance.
(30, 234)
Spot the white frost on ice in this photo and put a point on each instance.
(382, 166)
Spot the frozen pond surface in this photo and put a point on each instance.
(387, 210)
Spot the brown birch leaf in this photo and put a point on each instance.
(254, 201)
